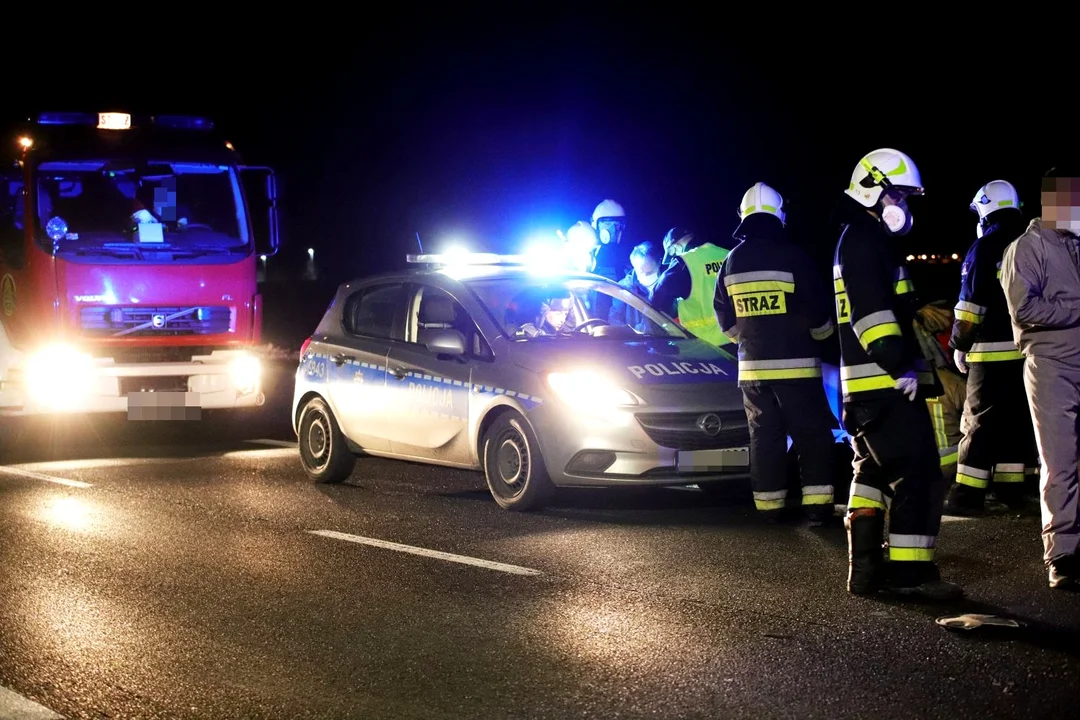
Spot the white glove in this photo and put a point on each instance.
(960, 358)
(908, 384)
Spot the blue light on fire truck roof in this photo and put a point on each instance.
(116, 121)
(67, 118)
(184, 122)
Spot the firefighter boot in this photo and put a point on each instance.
(1012, 495)
(920, 580)
(866, 560)
(965, 501)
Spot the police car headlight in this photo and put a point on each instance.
(58, 376)
(589, 391)
(246, 372)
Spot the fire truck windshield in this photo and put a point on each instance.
(114, 208)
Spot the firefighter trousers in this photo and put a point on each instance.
(946, 413)
(897, 470)
(999, 440)
(1053, 391)
(799, 409)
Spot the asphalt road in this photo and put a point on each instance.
(150, 571)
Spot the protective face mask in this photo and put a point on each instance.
(897, 219)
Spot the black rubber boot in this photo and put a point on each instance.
(964, 500)
(820, 515)
(866, 561)
(1013, 495)
(921, 580)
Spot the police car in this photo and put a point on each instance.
(536, 378)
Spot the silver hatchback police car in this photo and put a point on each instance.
(538, 379)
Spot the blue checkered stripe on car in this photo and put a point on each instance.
(453, 405)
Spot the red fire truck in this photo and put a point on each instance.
(129, 249)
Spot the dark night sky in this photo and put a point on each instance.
(493, 128)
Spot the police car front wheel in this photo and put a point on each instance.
(515, 471)
(323, 451)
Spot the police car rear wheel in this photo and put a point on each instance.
(515, 472)
(323, 452)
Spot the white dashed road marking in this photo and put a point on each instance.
(463, 559)
(41, 476)
(14, 706)
(275, 443)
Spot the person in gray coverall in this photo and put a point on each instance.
(1040, 273)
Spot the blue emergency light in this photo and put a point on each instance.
(465, 258)
(124, 121)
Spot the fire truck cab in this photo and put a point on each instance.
(129, 250)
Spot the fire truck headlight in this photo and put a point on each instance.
(58, 376)
(246, 372)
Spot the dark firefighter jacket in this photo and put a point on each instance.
(875, 312)
(982, 328)
(770, 300)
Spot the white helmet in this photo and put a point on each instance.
(582, 235)
(762, 199)
(607, 209)
(994, 195)
(880, 169)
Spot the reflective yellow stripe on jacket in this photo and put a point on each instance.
(993, 352)
(871, 376)
(792, 369)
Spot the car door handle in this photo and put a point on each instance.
(341, 359)
(400, 373)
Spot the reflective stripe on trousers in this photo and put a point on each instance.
(979, 478)
(918, 548)
(947, 453)
(913, 548)
(811, 495)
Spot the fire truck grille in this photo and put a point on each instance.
(136, 322)
(152, 354)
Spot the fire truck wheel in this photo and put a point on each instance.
(323, 451)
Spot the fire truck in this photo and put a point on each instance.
(129, 253)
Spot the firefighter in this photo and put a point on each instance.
(611, 257)
(769, 301)
(686, 288)
(883, 373)
(999, 442)
(946, 411)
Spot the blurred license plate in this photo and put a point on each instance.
(164, 406)
(704, 460)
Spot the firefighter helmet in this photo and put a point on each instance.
(881, 169)
(762, 199)
(993, 196)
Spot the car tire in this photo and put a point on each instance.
(325, 455)
(514, 469)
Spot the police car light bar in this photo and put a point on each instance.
(466, 258)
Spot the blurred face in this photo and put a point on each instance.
(1061, 204)
(645, 269)
(556, 311)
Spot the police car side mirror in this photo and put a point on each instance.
(446, 342)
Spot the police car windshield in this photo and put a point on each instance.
(88, 205)
(545, 308)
